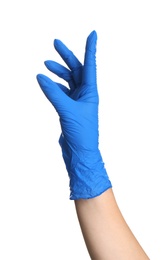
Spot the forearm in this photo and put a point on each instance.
(106, 234)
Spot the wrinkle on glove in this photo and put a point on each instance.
(77, 107)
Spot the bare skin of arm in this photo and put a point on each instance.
(106, 233)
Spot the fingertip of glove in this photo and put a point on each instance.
(48, 63)
(57, 43)
(39, 77)
(92, 36)
(91, 41)
(93, 33)
(42, 79)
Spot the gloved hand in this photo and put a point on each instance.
(77, 107)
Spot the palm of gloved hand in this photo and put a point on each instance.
(78, 105)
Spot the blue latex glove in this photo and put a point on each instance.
(77, 107)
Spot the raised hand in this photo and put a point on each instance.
(77, 107)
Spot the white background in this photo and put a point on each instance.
(37, 219)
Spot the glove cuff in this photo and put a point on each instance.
(88, 177)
